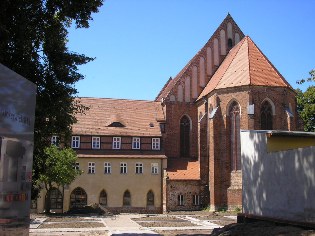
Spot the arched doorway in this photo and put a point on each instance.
(184, 136)
(56, 199)
(127, 198)
(150, 198)
(103, 198)
(78, 198)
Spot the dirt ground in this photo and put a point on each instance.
(231, 228)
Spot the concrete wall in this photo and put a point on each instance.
(281, 183)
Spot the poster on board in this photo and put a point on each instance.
(17, 116)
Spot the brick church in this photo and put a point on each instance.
(227, 86)
(181, 151)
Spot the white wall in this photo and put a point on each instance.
(277, 184)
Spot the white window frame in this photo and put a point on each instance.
(107, 168)
(54, 140)
(139, 168)
(96, 142)
(91, 168)
(180, 200)
(116, 142)
(156, 143)
(196, 200)
(77, 166)
(154, 168)
(136, 143)
(123, 168)
(75, 142)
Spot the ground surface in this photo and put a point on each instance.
(178, 223)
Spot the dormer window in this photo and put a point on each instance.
(151, 125)
(116, 124)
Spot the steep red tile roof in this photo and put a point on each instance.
(171, 83)
(245, 65)
(178, 169)
(135, 115)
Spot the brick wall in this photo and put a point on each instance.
(224, 185)
(174, 112)
(187, 188)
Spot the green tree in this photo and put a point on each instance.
(306, 107)
(59, 170)
(33, 43)
(306, 103)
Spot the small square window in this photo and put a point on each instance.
(107, 168)
(96, 143)
(180, 200)
(75, 143)
(196, 200)
(139, 168)
(135, 143)
(154, 168)
(91, 168)
(123, 168)
(76, 166)
(116, 142)
(55, 140)
(155, 143)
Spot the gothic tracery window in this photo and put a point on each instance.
(266, 116)
(234, 113)
(184, 136)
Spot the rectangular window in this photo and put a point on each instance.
(180, 200)
(123, 168)
(75, 143)
(139, 168)
(116, 142)
(107, 168)
(196, 200)
(91, 168)
(54, 140)
(135, 143)
(96, 143)
(77, 166)
(155, 143)
(154, 168)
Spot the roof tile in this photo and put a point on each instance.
(135, 115)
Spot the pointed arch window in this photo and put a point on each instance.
(78, 198)
(184, 136)
(56, 199)
(150, 198)
(127, 198)
(103, 198)
(234, 113)
(266, 116)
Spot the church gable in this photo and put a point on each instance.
(245, 65)
(191, 80)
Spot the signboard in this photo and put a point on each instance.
(17, 116)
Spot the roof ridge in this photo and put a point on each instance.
(271, 64)
(119, 99)
(249, 62)
(235, 53)
(184, 69)
(168, 81)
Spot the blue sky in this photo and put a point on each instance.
(139, 44)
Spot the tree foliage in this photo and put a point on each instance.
(306, 103)
(59, 169)
(306, 107)
(33, 43)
